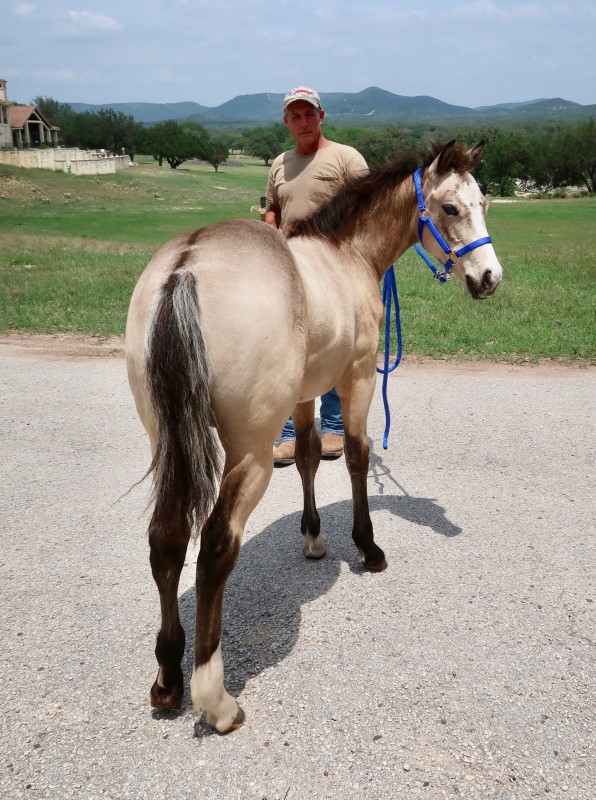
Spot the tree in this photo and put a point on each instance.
(200, 133)
(267, 143)
(545, 160)
(108, 129)
(238, 142)
(263, 144)
(217, 151)
(578, 155)
(54, 112)
(116, 131)
(80, 130)
(506, 159)
(380, 146)
(170, 141)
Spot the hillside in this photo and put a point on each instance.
(370, 106)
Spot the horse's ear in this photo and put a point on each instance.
(444, 161)
(475, 155)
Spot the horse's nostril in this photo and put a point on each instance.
(487, 279)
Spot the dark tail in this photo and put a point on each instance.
(186, 465)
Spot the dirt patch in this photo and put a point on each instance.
(61, 346)
(75, 346)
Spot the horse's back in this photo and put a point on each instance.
(252, 316)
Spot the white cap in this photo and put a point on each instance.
(302, 93)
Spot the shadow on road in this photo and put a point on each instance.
(272, 581)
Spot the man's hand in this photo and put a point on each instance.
(273, 216)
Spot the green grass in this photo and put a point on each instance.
(57, 291)
(72, 248)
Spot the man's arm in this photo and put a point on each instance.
(273, 215)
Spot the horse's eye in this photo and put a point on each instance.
(450, 210)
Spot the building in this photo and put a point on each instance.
(5, 129)
(28, 140)
(23, 127)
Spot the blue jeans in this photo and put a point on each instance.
(331, 421)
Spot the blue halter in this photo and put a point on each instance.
(453, 256)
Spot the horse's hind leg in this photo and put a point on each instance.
(169, 532)
(244, 482)
(308, 457)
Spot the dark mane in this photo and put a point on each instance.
(336, 219)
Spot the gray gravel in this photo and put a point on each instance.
(465, 670)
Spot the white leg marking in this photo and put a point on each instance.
(314, 546)
(208, 695)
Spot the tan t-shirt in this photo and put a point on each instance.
(300, 184)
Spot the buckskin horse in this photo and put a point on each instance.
(233, 328)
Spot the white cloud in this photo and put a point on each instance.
(24, 10)
(87, 21)
(62, 75)
(487, 9)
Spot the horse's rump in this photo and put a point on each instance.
(249, 308)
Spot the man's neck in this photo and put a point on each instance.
(318, 145)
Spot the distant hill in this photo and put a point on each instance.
(370, 106)
(147, 112)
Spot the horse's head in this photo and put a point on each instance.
(456, 208)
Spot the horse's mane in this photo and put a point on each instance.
(336, 219)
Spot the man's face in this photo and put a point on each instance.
(303, 121)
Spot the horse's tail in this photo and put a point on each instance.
(186, 462)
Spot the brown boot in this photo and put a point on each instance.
(284, 454)
(333, 446)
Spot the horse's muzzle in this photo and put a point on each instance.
(483, 288)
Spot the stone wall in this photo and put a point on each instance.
(65, 159)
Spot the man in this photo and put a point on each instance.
(301, 180)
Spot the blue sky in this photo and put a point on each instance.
(464, 52)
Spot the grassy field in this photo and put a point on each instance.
(72, 247)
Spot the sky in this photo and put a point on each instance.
(464, 52)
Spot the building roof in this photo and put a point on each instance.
(20, 115)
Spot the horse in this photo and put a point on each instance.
(231, 329)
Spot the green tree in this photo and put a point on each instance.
(238, 142)
(169, 141)
(107, 129)
(200, 133)
(80, 130)
(117, 131)
(506, 159)
(54, 112)
(217, 151)
(380, 146)
(267, 143)
(578, 155)
(545, 160)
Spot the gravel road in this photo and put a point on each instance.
(466, 670)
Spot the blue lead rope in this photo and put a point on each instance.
(389, 294)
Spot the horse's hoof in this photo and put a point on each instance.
(222, 727)
(379, 566)
(376, 563)
(166, 699)
(314, 546)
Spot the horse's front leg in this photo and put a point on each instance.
(244, 482)
(355, 402)
(308, 457)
